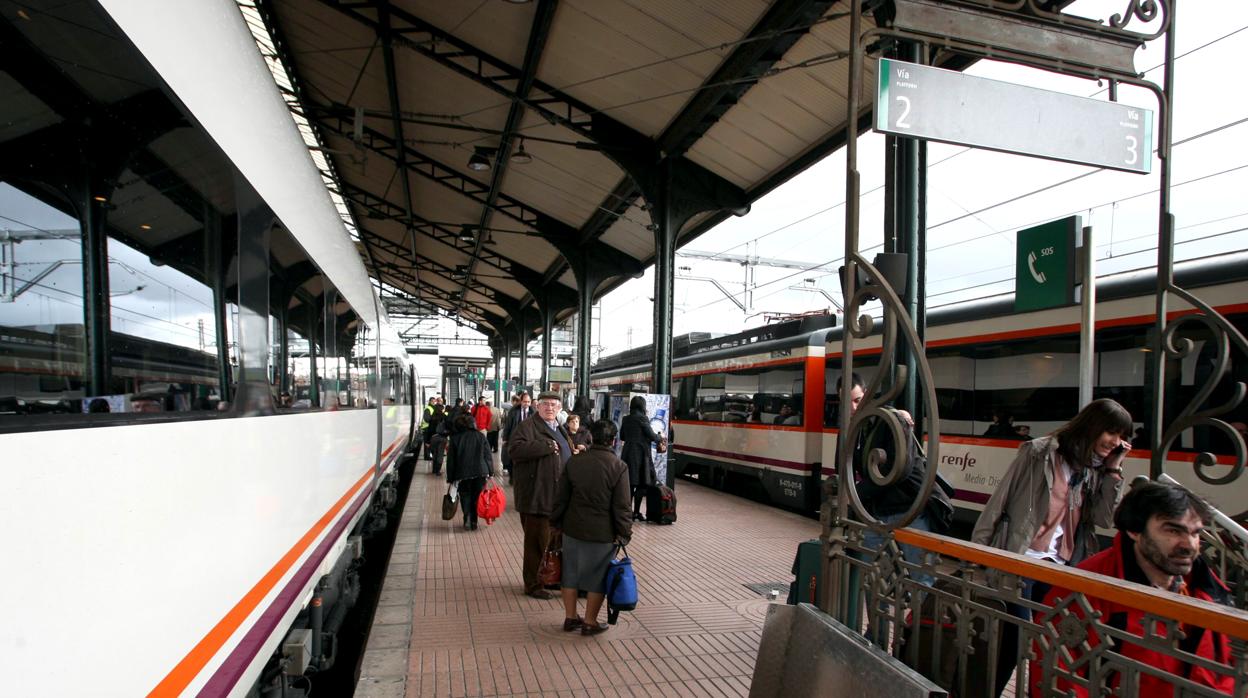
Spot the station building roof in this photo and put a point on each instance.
(476, 145)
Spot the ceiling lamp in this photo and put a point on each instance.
(480, 160)
(520, 157)
(467, 233)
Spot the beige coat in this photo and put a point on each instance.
(1023, 495)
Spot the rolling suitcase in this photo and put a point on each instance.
(660, 505)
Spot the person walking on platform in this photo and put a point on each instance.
(591, 508)
(468, 462)
(1059, 488)
(481, 414)
(539, 447)
(521, 411)
(441, 433)
(496, 424)
(1157, 545)
(432, 424)
(424, 425)
(637, 436)
(581, 438)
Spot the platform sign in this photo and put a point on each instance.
(1044, 273)
(945, 105)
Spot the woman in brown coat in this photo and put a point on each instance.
(591, 506)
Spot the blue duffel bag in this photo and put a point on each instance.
(621, 586)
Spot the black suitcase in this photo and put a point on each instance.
(660, 505)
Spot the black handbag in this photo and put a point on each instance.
(449, 506)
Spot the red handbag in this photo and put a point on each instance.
(492, 502)
(550, 571)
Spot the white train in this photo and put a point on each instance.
(172, 266)
(729, 392)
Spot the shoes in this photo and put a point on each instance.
(474, 525)
(570, 624)
(540, 594)
(587, 629)
(467, 526)
(638, 517)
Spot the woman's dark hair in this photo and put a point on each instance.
(98, 405)
(464, 422)
(582, 406)
(603, 431)
(439, 408)
(1076, 440)
(1151, 499)
(637, 403)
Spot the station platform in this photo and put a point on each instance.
(452, 619)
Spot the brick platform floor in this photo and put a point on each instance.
(452, 620)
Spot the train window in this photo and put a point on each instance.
(363, 365)
(42, 367)
(752, 395)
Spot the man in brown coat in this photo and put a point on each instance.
(539, 447)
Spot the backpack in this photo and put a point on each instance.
(621, 586)
(939, 509)
(492, 502)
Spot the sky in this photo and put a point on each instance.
(971, 232)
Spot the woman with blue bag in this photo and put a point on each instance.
(592, 509)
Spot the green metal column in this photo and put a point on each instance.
(548, 324)
(666, 228)
(97, 309)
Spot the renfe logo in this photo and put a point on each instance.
(964, 461)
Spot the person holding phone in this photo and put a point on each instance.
(1059, 488)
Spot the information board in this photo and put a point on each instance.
(945, 105)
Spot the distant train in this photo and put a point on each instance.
(202, 404)
(745, 417)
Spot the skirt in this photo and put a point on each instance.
(585, 564)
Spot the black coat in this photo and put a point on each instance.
(468, 456)
(592, 499)
(637, 436)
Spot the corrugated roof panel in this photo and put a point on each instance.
(501, 29)
(623, 60)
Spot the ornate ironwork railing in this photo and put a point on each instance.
(956, 631)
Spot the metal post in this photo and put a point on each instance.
(213, 241)
(1087, 321)
(507, 363)
(664, 282)
(587, 283)
(1165, 257)
(548, 322)
(908, 199)
(498, 380)
(314, 389)
(522, 333)
(96, 306)
(254, 225)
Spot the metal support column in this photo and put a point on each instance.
(314, 388)
(507, 365)
(666, 229)
(907, 197)
(96, 307)
(587, 283)
(1165, 265)
(214, 241)
(522, 337)
(548, 324)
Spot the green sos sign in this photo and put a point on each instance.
(1044, 270)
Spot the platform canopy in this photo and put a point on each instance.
(479, 146)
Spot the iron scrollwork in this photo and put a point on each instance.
(874, 402)
(1222, 333)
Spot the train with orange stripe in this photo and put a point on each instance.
(203, 404)
(746, 418)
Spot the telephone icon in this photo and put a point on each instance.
(1031, 267)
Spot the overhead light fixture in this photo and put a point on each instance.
(100, 199)
(480, 160)
(467, 233)
(520, 157)
(145, 226)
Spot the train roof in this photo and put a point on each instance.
(1195, 273)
